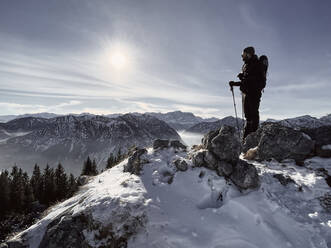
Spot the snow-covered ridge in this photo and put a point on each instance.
(188, 211)
(307, 122)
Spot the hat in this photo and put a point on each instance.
(249, 50)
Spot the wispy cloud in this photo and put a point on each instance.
(15, 108)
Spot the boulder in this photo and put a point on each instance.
(321, 135)
(210, 160)
(198, 158)
(181, 164)
(17, 243)
(224, 168)
(226, 145)
(82, 180)
(325, 201)
(177, 145)
(281, 143)
(206, 140)
(245, 175)
(252, 140)
(160, 144)
(67, 231)
(323, 151)
(136, 162)
(284, 180)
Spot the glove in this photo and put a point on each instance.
(231, 83)
(240, 76)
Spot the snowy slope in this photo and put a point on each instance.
(187, 213)
(190, 212)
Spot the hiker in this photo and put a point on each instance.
(252, 81)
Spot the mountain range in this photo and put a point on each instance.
(70, 139)
(177, 119)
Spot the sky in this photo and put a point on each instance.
(103, 57)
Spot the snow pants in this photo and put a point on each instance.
(251, 104)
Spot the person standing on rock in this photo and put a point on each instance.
(252, 82)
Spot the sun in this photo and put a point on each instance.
(118, 59)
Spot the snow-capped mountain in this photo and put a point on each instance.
(180, 120)
(177, 119)
(70, 139)
(6, 118)
(205, 127)
(306, 122)
(195, 207)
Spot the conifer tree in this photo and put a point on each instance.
(87, 167)
(48, 185)
(110, 161)
(61, 182)
(16, 189)
(37, 183)
(94, 170)
(119, 156)
(4, 193)
(28, 191)
(73, 187)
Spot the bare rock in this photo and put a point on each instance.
(281, 143)
(198, 158)
(323, 151)
(176, 144)
(211, 161)
(284, 180)
(160, 144)
(181, 164)
(325, 201)
(206, 140)
(245, 175)
(224, 168)
(136, 162)
(226, 145)
(82, 180)
(17, 243)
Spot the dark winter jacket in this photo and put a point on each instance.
(252, 76)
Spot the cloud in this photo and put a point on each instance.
(16, 108)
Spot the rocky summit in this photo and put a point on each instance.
(278, 141)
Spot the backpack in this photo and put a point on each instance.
(264, 63)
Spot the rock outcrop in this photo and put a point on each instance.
(136, 161)
(106, 214)
(221, 150)
(225, 144)
(279, 142)
(160, 144)
(181, 164)
(245, 175)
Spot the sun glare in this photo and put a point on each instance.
(119, 60)
(120, 56)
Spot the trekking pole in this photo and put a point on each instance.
(242, 111)
(235, 110)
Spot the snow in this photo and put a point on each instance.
(105, 196)
(12, 135)
(190, 213)
(197, 208)
(326, 147)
